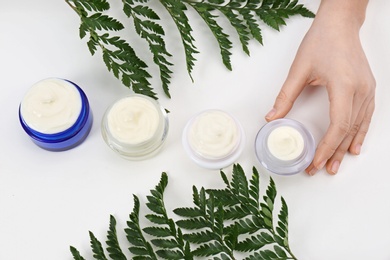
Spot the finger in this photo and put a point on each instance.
(340, 121)
(357, 142)
(333, 164)
(292, 87)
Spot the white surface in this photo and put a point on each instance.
(49, 201)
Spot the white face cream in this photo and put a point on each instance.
(214, 134)
(284, 146)
(133, 120)
(135, 126)
(285, 143)
(51, 106)
(213, 139)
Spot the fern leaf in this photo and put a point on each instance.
(139, 246)
(113, 248)
(152, 33)
(176, 10)
(97, 249)
(100, 21)
(282, 226)
(208, 249)
(225, 45)
(200, 237)
(157, 231)
(188, 212)
(95, 5)
(255, 242)
(252, 24)
(170, 254)
(240, 28)
(76, 254)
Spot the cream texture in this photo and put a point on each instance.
(51, 106)
(285, 143)
(214, 134)
(133, 120)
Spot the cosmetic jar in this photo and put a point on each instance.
(284, 146)
(55, 113)
(135, 126)
(213, 139)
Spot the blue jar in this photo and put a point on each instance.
(55, 113)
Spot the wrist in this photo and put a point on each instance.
(349, 13)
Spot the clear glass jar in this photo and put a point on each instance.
(45, 109)
(294, 149)
(135, 127)
(213, 139)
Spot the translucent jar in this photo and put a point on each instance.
(213, 139)
(55, 113)
(284, 146)
(135, 127)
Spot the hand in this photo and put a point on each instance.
(331, 55)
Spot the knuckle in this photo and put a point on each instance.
(283, 97)
(330, 148)
(354, 130)
(343, 127)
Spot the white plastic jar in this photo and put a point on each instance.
(284, 146)
(55, 113)
(135, 126)
(213, 139)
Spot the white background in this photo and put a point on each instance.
(49, 201)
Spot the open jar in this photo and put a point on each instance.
(213, 139)
(55, 113)
(135, 126)
(284, 146)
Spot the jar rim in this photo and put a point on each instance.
(214, 163)
(67, 133)
(284, 167)
(145, 148)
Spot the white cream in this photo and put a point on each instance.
(214, 134)
(51, 106)
(285, 143)
(133, 120)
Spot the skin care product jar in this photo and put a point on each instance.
(135, 126)
(213, 139)
(55, 113)
(284, 146)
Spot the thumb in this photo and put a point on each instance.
(289, 92)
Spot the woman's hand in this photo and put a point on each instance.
(331, 55)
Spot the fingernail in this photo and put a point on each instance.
(358, 148)
(335, 167)
(271, 114)
(312, 171)
(321, 165)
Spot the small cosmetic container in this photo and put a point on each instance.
(55, 113)
(284, 146)
(135, 127)
(213, 139)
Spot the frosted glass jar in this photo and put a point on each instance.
(135, 127)
(55, 113)
(213, 139)
(284, 146)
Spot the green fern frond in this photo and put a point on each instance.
(153, 34)
(245, 16)
(210, 225)
(97, 248)
(113, 247)
(76, 254)
(140, 247)
(225, 45)
(118, 56)
(177, 9)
